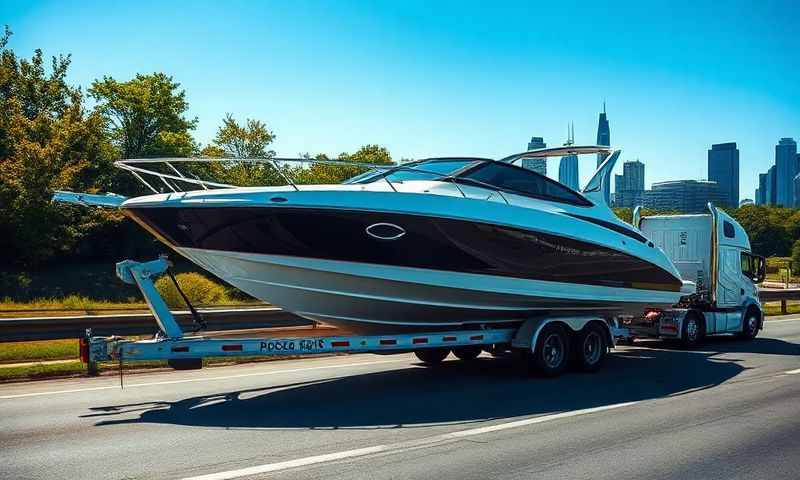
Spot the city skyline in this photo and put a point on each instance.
(428, 80)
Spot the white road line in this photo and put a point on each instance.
(201, 379)
(792, 372)
(767, 322)
(401, 446)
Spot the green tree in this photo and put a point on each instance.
(320, 173)
(766, 228)
(146, 115)
(48, 141)
(244, 141)
(796, 257)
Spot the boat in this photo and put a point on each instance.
(438, 243)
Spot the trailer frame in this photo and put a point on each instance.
(186, 352)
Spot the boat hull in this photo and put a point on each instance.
(379, 298)
(369, 270)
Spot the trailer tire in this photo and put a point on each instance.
(432, 356)
(692, 331)
(590, 348)
(750, 325)
(467, 353)
(551, 354)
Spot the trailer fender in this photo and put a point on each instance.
(527, 334)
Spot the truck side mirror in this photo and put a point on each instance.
(760, 272)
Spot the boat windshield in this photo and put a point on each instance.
(513, 179)
(422, 170)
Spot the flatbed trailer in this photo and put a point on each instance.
(548, 343)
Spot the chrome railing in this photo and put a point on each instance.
(138, 167)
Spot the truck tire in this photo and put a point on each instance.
(692, 331)
(432, 356)
(467, 353)
(551, 355)
(750, 325)
(590, 348)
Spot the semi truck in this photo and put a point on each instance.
(713, 251)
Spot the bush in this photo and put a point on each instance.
(796, 256)
(199, 289)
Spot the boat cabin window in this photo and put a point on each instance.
(525, 182)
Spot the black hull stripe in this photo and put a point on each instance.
(427, 242)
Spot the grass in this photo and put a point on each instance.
(77, 305)
(37, 351)
(70, 305)
(42, 370)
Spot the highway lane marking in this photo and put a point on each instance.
(203, 379)
(401, 446)
(767, 322)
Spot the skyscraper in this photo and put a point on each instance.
(538, 165)
(770, 192)
(685, 196)
(762, 189)
(785, 171)
(723, 168)
(604, 138)
(568, 166)
(629, 192)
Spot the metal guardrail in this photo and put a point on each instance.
(52, 328)
(779, 295)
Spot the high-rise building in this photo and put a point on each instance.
(761, 191)
(538, 165)
(770, 196)
(685, 196)
(630, 193)
(723, 168)
(603, 138)
(619, 182)
(785, 171)
(796, 186)
(568, 166)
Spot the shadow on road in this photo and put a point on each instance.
(454, 392)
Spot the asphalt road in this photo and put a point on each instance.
(730, 410)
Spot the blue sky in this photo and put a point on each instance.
(457, 78)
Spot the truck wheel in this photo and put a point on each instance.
(467, 353)
(692, 331)
(750, 325)
(590, 348)
(432, 356)
(551, 355)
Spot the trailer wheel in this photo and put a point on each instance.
(692, 331)
(467, 353)
(551, 355)
(432, 356)
(590, 348)
(750, 325)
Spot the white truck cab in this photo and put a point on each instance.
(713, 251)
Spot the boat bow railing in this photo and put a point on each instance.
(142, 168)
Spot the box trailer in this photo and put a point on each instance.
(713, 251)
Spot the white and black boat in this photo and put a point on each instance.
(436, 243)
